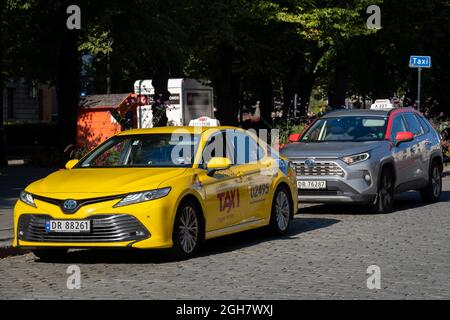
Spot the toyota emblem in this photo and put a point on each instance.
(310, 163)
(70, 205)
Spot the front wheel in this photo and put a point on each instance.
(282, 211)
(384, 201)
(187, 231)
(432, 192)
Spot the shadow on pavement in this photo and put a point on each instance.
(404, 201)
(210, 248)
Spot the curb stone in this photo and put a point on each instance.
(7, 250)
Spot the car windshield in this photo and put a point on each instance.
(150, 150)
(347, 128)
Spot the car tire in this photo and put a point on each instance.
(384, 200)
(282, 211)
(188, 231)
(432, 192)
(50, 255)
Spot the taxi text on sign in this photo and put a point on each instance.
(420, 62)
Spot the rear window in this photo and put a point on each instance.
(425, 124)
(413, 124)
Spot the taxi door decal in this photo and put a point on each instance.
(229, 200)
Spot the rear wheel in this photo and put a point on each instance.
(50, 255)
(282, 211)
(384, 201)
(187, 231)
(432, 192)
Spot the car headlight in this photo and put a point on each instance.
(27, 198)
(139, 197)
(356, 158)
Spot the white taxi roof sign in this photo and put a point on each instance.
(382, 104)
(204, 122)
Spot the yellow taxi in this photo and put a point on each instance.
(170, 187)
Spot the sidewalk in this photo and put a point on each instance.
(12, 181)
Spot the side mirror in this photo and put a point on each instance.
(217, 164)
(403, 137)
(71, 163)
(295, 137)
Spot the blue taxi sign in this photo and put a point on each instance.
(420, 62)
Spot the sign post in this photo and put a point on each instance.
(419, 62)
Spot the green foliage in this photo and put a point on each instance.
(295, 44)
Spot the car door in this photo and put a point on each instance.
(418, 146)
(222, 192)
(427, 142)
(404, 163)
(255, 185)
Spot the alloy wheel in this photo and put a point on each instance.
(188, 229)
(283, 211)
(386, 191)
(436, 181)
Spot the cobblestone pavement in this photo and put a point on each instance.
(326, 255)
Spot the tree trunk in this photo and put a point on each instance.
(226, 87)
(338, 82)
(338, 88)
(305, 91)
(292, 82)
(68, 87)
(301, 79)
(3, 160)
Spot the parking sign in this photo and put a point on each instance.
(420, 62)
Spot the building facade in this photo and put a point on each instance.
(29, 102)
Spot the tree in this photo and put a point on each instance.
(324, 28)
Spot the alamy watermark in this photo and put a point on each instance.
(74, 20)
(374, 20)
(374, 280)
(74, 280)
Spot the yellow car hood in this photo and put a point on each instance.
(104, 181)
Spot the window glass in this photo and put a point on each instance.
(347, 128)
(216, 147)
(424, 123)
(244, 148)
(398, 125)
(413, 124)
(151, 150)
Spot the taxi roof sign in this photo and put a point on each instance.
(204, 122)
(382, 104)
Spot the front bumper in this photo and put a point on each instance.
(344, 184)
(144, 226)
(104, 229)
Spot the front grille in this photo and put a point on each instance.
(319, 168)
(104, 228)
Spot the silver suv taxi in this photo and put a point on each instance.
(367, 156)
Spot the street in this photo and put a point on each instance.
(325, 256)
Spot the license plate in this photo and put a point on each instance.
(312, 185)
(70, 226)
